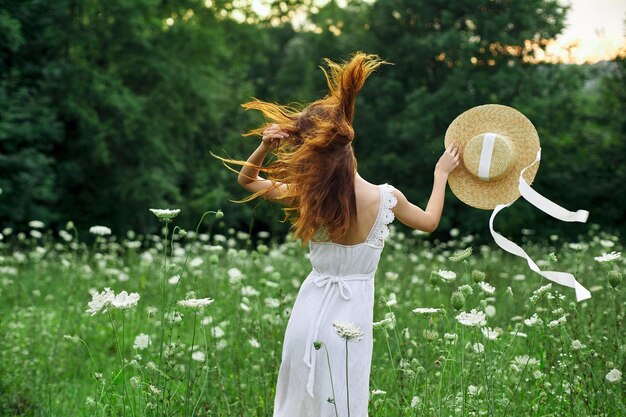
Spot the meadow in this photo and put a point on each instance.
(191, 322)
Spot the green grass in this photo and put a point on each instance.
(423, 364)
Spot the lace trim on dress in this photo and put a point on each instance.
(380, 231)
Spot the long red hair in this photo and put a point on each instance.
(317, 160)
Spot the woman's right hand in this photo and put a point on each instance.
(449, 160)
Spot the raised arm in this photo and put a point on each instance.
(249, 176)
(427, 221)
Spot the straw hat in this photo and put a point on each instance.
(495, 143)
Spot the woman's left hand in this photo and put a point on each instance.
(272, 136)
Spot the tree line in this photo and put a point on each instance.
(110, 108)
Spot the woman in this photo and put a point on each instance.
(344, 220)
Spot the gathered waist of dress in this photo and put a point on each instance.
(345, 276)
(330, 283)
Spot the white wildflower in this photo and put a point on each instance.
(392, 301)
(473, 318)
(478, 347)
(135, 382)
(447, 275)
(125, 301)
(489, 333)
(198, 355)
(391, 276)
(100, 230)
(473, 390)
(217, 332)
(249, 291)
(36, 224)
(459, 256)
(576, 344)
(254, 343)
(426, 310)
(430, 334)
(100, 301)
(196, 303)
(234, 276)
(165, 215)
(523, 360)
(608, 257)
(389, 321)
(489, 289)
(607, 243)
(142, 341)
(378, 392)
(534, 319)
(614, 375)
(196, 262)
(450, 337)
(542, 289)
(272, 302)
(347, 330)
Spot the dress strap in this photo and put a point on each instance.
(380, 231)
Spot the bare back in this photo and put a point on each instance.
(367, 203)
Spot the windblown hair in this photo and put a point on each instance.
(317, 161)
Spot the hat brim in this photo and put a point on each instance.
(502, 120)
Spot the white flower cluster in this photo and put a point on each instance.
(107, 298)
(614, 375)
(478, 347)
(100, 230)
(347, 330)
(459, 256)
(537, 293)
(195, 303)
(389, 321)
(489, 289)
(608, 257)
(521, 361)
(558, 322)
(426, 310)
(534, 319)
(165, 214)
(489, 333)
(473, 318)
(447, 275)
(142, 341)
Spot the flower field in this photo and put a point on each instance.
(191, 323)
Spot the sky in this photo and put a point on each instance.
(598, 26)
(595, 30)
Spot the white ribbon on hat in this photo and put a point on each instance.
(554, 210)
(485, 155)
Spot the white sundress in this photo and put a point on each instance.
(339, 287)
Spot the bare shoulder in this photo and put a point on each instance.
(401, 199)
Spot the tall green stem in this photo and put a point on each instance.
(332, 386)
(193, 339)
(347, 384)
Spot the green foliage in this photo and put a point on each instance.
(540, 352)
(109, 108)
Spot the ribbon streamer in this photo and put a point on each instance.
(554, 210)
